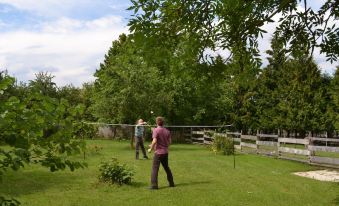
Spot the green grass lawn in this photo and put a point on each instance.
(327, 154)
(202, 178)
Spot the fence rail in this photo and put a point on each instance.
(303, 150)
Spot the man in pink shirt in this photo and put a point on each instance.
(161, 141)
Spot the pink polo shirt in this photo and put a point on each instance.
(163, 137)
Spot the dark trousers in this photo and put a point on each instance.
(139, 142)
(163, 159)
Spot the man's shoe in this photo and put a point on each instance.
(153, 188)
(172, 185)
(145, 158)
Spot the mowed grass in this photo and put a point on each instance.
(202, 178)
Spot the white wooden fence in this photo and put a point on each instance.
(323, 159)
(312, 150)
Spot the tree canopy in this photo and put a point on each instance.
(234, 25)
(289, 93)
(129, 87)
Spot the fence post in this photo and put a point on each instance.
(310, 143)
(308, 146)
(278, 146)
(240, 141)
(203, 136)
(191, 134)
(256, 142)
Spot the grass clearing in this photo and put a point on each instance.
(202, 178)
(327, 154)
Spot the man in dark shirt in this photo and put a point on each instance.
(161, 141)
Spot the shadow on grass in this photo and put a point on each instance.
(184, 184)
(336, 201)
(138, 184)
(29, 182)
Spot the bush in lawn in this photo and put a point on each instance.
(223, 145)
(9, 202)
(115, 172)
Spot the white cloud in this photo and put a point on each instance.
(71, 49)
(57, 8)
(45, 7)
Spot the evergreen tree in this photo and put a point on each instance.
(334, 92)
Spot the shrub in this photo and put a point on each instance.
(115, 173)
(223, 145)
(9, 202)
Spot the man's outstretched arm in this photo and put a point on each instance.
(152, 145)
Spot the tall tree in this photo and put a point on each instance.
(130, 87)
(267, 88)
(126, 87)
(43, 83)
(334, 91)
(291, 96)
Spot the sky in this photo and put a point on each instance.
(69, 38)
